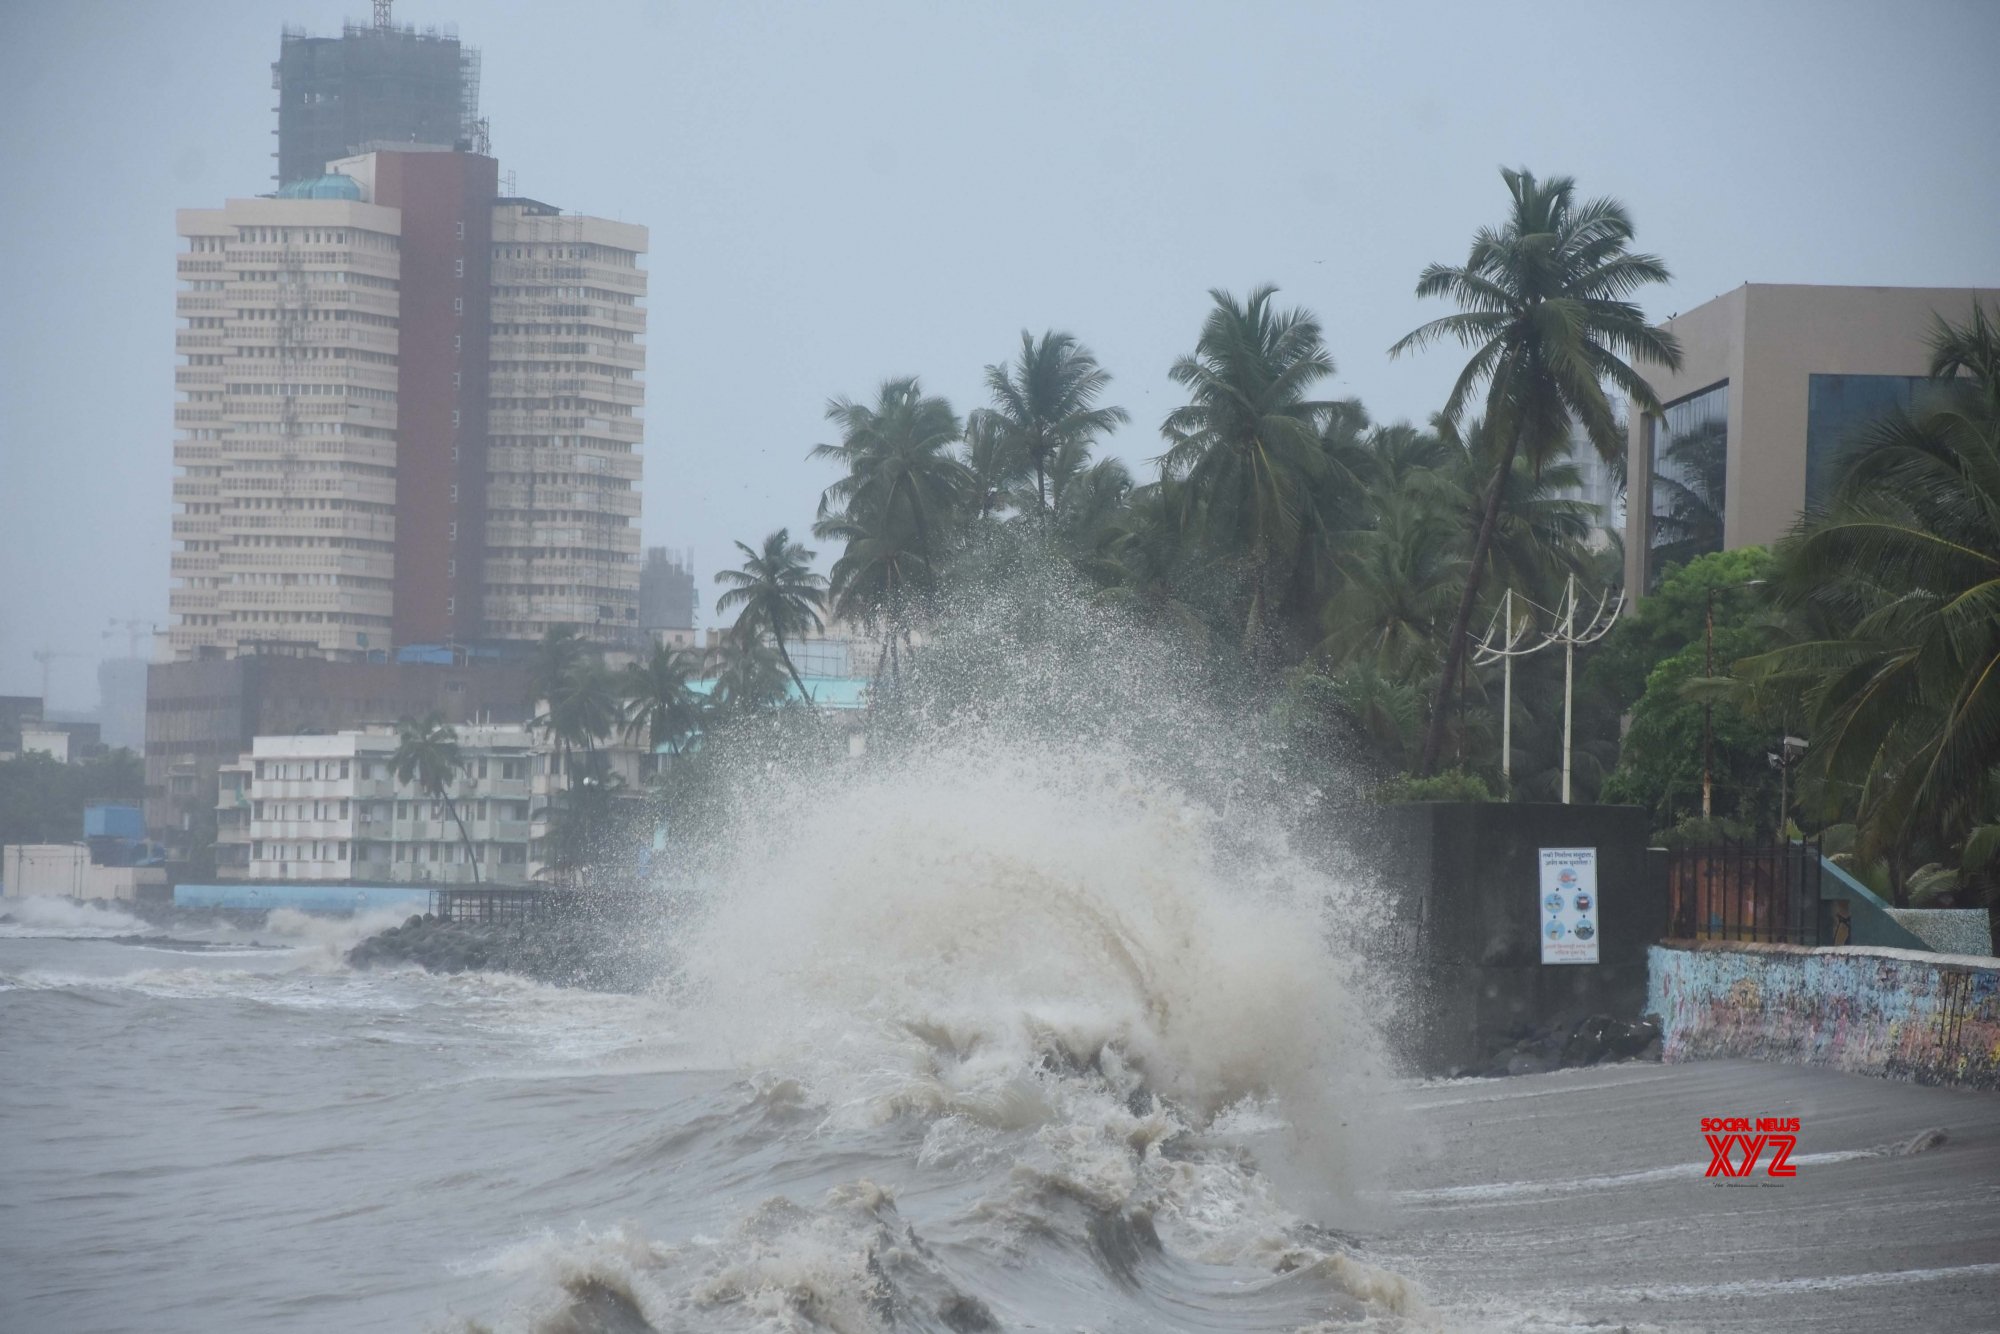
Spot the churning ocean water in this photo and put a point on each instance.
(1010, 1044)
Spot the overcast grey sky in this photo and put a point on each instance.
(842, 192)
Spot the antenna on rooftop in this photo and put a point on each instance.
(382, 12)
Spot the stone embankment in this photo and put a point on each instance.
(561, 951)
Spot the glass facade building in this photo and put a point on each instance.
(1838, 409)
(1687, 449)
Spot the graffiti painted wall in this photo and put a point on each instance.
(1926, 1018)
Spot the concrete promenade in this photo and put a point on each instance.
(1577, 1199)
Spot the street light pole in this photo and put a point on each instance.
(1569, 676)
(1708, 713)
(1708, 700)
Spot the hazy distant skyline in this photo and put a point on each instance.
(842, 193)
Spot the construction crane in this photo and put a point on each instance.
(45, 656)
(135, 630)
(382, 12)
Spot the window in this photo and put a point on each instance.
(1839, 410)
(1687, 447)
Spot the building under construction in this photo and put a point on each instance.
(380, 84)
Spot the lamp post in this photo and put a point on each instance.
(1708, 702)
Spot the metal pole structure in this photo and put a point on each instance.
(1507, 706)
(1569, 676)
(1708, 712)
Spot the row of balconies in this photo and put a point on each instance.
(511, 572)
(570, 273)
(322, 370)
(233, 598)
(311, 333)
(505, 348)
(552, 309)
(558, 610)
(523, 539)
(512, 467)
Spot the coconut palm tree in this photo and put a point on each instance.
(1046, 400)
(427, 756)
(1247, 442)
(558, 650)
(1688, 494)
(994, 464)
(898, 461)
(780, 596)
(1904, 563)
(660, 707)
(1545, 308)
(749, 678)
(582, 708)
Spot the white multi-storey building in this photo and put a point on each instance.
(409, 414)
(286, 425)
(565, 387)
(330, 808)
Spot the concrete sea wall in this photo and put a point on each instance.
(1900, 1014)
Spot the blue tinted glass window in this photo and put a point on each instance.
(1838, 409)
(1688, 448)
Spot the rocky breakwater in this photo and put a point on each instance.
(1566, 1041)
(568, 951)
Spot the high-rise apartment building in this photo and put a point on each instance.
(562, 500)
(378, 85)
(410, 416)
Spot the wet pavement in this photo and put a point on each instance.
(1580, 1196)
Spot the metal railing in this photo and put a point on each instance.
(1745, 891)
(488, 904)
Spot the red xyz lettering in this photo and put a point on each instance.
(1723, 1160)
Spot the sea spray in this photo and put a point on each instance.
(1068, 919)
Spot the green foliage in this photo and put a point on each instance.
(427, 755)
(42, 800)
(1451, 785)
(1544, 306)
(1899, 580)
(1673, 616)
(779, 594)
(1660, 765)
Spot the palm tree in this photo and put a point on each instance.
(1247, 442)
(1046, 400)
(994, 464)
(559, 649)
(582, 709)
(748, 676)
(1904, 563)
(427, 755)
(899, 464)
(1544, 307)
(1690, 486)
(779, 593)
(659, 704)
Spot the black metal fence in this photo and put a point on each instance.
(1745, 891)
(487, 904)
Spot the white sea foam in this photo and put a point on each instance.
(41, 916)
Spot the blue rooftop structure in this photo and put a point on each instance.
(333, 185)
(829, 692)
